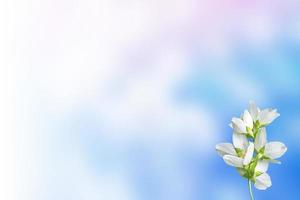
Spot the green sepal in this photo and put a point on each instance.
(265, 158)
(251, 169)
(249, 136)
(262, 150)
(263, 125)
(253, 166)
(257, 174)
(259, 156)
(239, 152)
(249, 132)
(256, 124)
(256, 128)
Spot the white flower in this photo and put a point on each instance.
(273, 150)
(266, 116)
(240, 141)
(229, 153)
(240, 162)
(238, 125)
(263, 181)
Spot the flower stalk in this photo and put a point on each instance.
(250, 189)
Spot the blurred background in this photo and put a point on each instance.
(125, 100)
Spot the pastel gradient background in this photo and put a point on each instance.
(126, 99)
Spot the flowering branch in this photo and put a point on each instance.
(250, 152)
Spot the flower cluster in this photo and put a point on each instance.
(250, 152)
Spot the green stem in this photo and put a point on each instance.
(250, 189)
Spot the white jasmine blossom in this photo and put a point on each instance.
(250, 153)
(267, 116)
(240, 160)
(274, 150)
(240, 141)
(261, 179)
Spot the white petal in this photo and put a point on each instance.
(225, 149)
(266, 116)
(253, 110)
(240, 141)
(263, 181)
(238, 125)
(262, 166)
(233, 161)
(261, 139)
(275, 150)
(249, 154)
(247, 119)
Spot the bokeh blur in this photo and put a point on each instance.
(125, 100)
